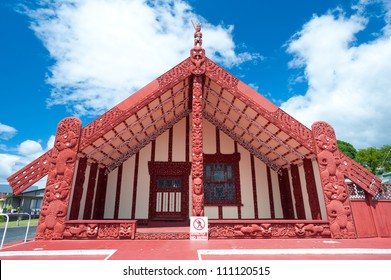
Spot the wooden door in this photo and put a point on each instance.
(169, 191)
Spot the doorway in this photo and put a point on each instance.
(169, 191)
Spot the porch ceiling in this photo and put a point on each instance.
(221, 107)
(128, 137)
(250, 129)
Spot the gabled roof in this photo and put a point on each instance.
(246, 116)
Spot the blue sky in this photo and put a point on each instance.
(318, 60)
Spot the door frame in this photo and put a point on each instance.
(159, 169)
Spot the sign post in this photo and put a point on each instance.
(198, 228)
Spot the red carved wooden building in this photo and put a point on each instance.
(199, 142)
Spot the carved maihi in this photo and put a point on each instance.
(331, 167)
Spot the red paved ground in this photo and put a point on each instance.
(245, 249)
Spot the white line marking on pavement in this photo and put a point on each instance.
(58, 253)
(339, 251)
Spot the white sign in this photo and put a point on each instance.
(198, 228)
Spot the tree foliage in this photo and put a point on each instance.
(347, 149)
(376, 160)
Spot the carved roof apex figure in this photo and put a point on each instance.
(197, 36)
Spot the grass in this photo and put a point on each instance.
(21, 223)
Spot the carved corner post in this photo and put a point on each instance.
(197, 57)
(333, 181)
(51, 223)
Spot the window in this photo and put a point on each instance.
(169, 183)
(221, 179)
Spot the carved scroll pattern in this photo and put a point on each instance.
(162, 236)
(269, 230)
(100, 230)
(175, 75)
(333, 182)
(62, 165)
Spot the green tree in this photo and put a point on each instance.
(347, 149)
(375, 159)
(386, 152)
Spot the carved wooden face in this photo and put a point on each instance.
(67, 140)
(197, 186)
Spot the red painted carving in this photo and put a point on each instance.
(333, 182)
(294, 128)
(162, 236)
(220, 76)
(197, 54)
(197, 149)
(268, 229)
(62, 166)
(100, 229)
(30, 174)
(360, 175)
(175, 75)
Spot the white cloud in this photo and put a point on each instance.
(104, 50)
(30, 148)
(349, 83)
(15, 159)
(7, 132)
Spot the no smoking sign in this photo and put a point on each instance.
(198, 228)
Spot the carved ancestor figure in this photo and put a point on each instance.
(198, 36)
(198, 198)
(62, 163)
(333, 182)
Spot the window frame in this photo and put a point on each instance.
(228, 159)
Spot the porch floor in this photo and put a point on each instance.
(227, 249)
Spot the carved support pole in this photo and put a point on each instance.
(62, 159)
(331, 169)
(197, 57)
(197, 149)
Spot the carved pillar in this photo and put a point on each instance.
(62, 167)
(197, 56)
(333, 182)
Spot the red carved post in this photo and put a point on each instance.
(51, 222)
(197, 56)
(333, 182)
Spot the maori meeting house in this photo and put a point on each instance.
(197, 141)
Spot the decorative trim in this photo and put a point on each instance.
(31, 173)
(98, 229)
(268, 229)
(162, 236)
